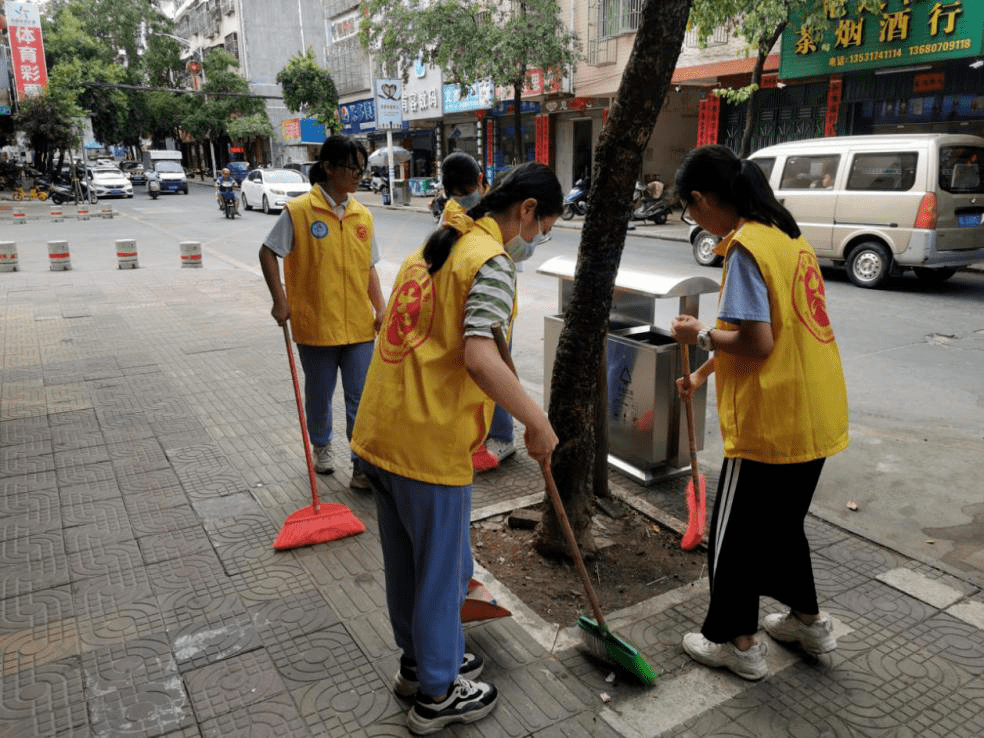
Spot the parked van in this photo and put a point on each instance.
(165, 165)
(882, 204)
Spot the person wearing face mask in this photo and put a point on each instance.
(427, 404)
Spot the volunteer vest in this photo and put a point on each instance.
(327, 272)
(792, 406)
(422, 415)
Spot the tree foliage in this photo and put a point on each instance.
(309, 89)
(471, 40)
(211, 117)
(761, 23)
(51, 123)
(250, 126)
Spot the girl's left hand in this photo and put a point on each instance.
(685, 328)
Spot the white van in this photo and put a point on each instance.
(165, 164)
(881, 204)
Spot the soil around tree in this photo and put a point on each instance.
(638, 560)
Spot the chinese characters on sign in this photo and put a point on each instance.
(290, 130)
(26, 49)
(389, 105)
(903, 32)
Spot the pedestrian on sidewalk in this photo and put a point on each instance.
(434, 377)
(333, 297)
(462, 180)
(782, 404)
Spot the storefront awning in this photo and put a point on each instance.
(710, 74)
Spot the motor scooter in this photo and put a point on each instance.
(153, 185)
(576, 201)
(229, 205)
(649, 203)
(61, 192)
(437, 203)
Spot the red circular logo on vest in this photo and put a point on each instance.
(410, 317)
(361, 232)
(810, 298)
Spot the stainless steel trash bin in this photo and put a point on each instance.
(401, 192)
(647, 437)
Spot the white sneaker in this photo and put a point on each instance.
(748, 664)
(324, 459)
(466, 702)
(501, 450)
(816, 638)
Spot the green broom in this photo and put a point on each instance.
(596, 636)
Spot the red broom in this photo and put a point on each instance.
(696, 512)
(318, 523)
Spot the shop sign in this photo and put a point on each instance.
(536, 83)
(5, 101)
(478, 96)
(344, 26)
(312, 132)
(422, 93)
(506, 107)
(575, 104)
(26, 49)
(389, 103)
(357, 117)
(904, 33)
(290, 130)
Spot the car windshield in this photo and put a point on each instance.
(169, 166)
(284, 176)
(238, 166)
(106, 171)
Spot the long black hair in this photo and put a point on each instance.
(460, 173)
(735, 182)
(531, 179)
(338, 151)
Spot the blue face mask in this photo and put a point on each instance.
(519, 249)
(467, 202)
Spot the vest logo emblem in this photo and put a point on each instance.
(809, 296)
(319, 229)
(411, 315)
(361, 232)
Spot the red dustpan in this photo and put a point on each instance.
(696, 509)
(316, 523)
(480, 604)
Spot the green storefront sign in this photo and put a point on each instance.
(905, 33)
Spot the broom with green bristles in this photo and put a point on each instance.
(596, 636)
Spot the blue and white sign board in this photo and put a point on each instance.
(358, 117)
(480, 96)
(389, 103)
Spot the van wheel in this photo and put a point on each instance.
(933, 276)
(704, 255)
(869, 265)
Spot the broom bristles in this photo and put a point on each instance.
(311, 525)
(600, 642)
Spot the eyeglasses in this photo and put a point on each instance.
(356, 171)
(543, 237)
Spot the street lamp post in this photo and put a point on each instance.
(201, 64)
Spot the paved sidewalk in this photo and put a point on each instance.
(149, 453)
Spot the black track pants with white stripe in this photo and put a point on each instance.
(757, 545)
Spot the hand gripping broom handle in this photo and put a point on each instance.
(315, 502)
(689, 406)
(554, 495)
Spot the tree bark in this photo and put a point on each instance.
(575, 381)
(518, 121)
(751, 109)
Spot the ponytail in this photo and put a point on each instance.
(529, 180)
(735, 182)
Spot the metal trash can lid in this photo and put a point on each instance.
(649, 284)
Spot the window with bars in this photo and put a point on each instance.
(231, 43)
(346, 60)
(618, 16)
(600, 50)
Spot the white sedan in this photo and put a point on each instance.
(270, 189)
(110, 182)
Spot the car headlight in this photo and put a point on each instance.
(276, 191)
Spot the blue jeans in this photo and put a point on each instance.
(424, 530)
(321, 365)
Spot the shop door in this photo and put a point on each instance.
(582, 149)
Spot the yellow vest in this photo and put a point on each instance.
(327, 272)
(422, 415)
(792, 406)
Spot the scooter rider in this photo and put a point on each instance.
(225, 182)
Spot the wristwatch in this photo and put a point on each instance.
(704, 340)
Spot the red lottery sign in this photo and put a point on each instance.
(26, 49)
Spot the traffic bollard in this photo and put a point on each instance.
(8, 256)
(57, 214)
(191, 254)
(126, 253)
(59, 258)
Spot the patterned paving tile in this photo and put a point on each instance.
(327, 654)
(43, 701)
(29, 512)
(219, 512)
(863, 556)
(30, 648)
(216, 636)
(232, 684)
(205, 456)
(86, 455)
(32, 563)
(28, 483)
(876, 612)
(273, 718)
(958, 642)
(112, 530)
(32, 447)
(85, 474)
(24, 430)
(138, 456)
(161, 485)
(112, 612)
(19, 466)
(356, 597)
(48, 613)
(196, 572)
(135, 689)
(294, 615)
(256, 527)
(113, 559)
(173, 544)
(206, 483)
(86, 493)
(147, 516)
(583, 724)
(78, 419)
(108, 513)
(68, 437)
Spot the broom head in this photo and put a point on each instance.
(605, 645)
(696, 515)
(317, 524)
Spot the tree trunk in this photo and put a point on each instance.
(751, 109)
(518, 121)
(575, 381)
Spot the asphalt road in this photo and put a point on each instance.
(912, 355)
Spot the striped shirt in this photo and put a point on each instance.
(490, 299)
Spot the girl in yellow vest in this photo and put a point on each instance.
(333, 298)
(782, 405)
(428, 400)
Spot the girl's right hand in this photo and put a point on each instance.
(280, 312)
(687, 390)
(540, 440)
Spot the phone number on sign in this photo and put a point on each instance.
(957, 44)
